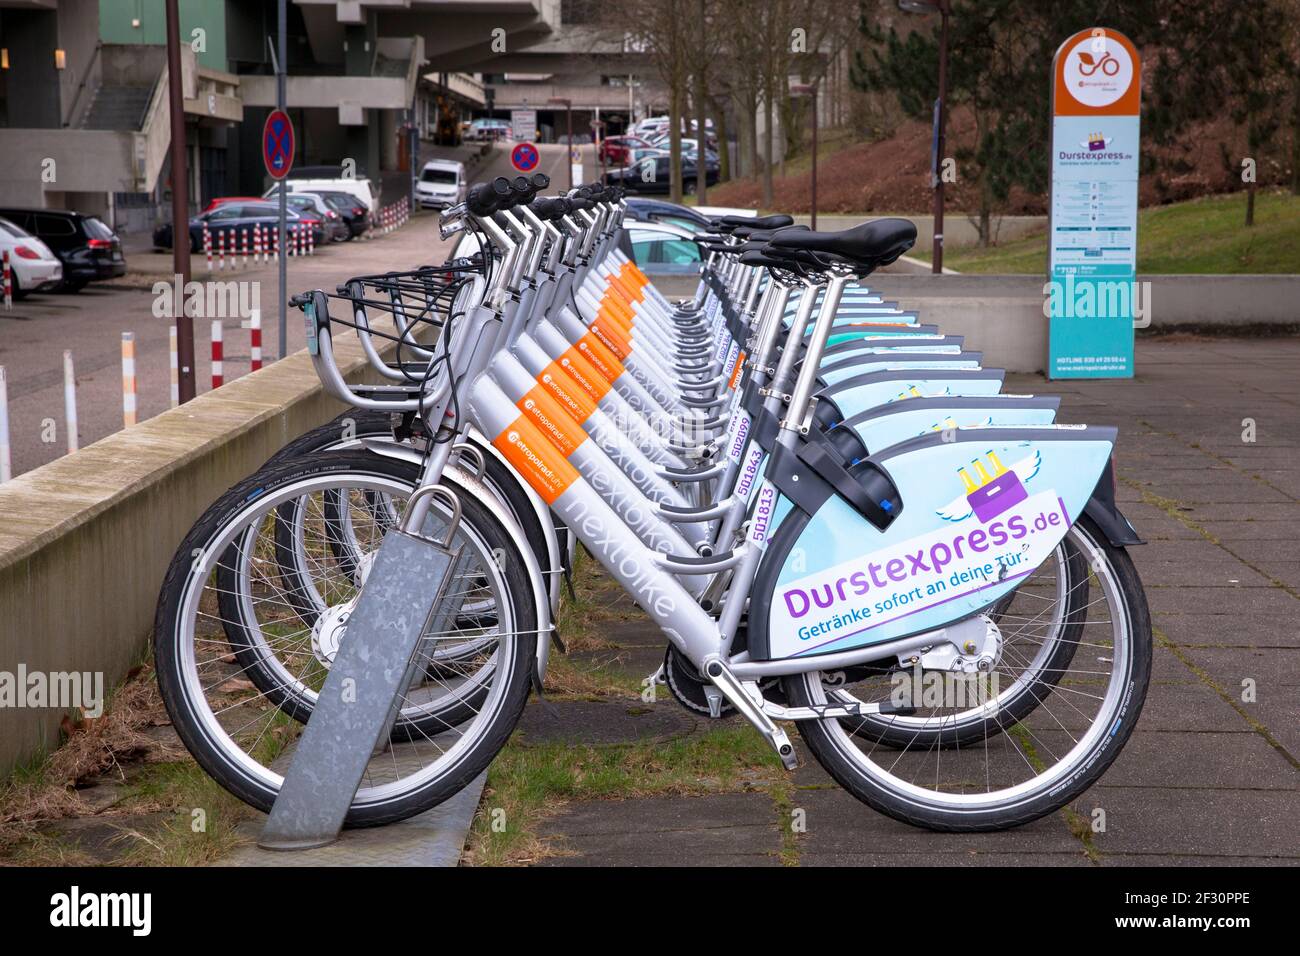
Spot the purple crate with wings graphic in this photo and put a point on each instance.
(1003, 492)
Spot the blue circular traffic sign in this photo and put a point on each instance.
(277, 144)
(525, 157)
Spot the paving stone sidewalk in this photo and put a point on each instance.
(1209, 470)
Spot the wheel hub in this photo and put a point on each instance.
(972, 646)
(328, 631)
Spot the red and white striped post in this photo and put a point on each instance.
(175, 367)
(255, 338)
(128, 380)
(8, 283)
(311, 242)
(221, 252)
(70, 400)
(6, 465)
(273, 238)
(207, 245)
(243, 248)
(257, 242)
(218, 369)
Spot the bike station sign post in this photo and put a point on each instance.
(1092, 251)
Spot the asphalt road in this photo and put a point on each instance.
(90, 324)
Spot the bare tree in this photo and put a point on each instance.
(658, 28)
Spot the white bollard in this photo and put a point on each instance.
(128, 380)
(255, 338)
(218, 363)
(6, 466)
(70, 400)
(175, 367)
(207, 244)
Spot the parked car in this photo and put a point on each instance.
(690, 147)
(218, 200)
(33, 266)
(616, 150)
(640, 209)
(234, 220)
(315, 179)
(441, 184)
(650, 126)
(653, 176)
(351, 209)
(88, 249)
(489, 130)
(660, 248)
(315, 206)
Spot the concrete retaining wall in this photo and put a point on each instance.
(1002, 316)
(85, 540)
(958, 230)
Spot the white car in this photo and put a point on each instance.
(441, 184)
(32, 266)
(359, 187)
(661, 248)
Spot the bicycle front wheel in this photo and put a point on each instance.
(240, 705)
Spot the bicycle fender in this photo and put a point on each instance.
(1102, 509)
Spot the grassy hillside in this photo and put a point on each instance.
(1198, 236)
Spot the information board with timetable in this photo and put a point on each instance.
(1092, 252)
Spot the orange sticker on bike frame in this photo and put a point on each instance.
(630, 289)
(735, 373)
(617, 306)
(584, 374)
(614, 339)
(632, 272)
(554, 422)
(566, 392)
(594, 351)
(540, 462)
(616, 319)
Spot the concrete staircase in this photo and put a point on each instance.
(118, 108)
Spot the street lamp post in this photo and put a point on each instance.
(180, 206)
(943, 8)
(568, 110)
(810, 90)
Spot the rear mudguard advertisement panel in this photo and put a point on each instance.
(887, 430)
(982, 512)
(880, 388)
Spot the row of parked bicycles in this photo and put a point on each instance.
(837, 516)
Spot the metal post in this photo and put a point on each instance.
(937, 267)
(180, 205)
(568, 109)
(814, 156)
(282, 55)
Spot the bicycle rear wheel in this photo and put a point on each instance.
(1021, 765)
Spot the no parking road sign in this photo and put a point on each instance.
(525, 157)
(277, 144)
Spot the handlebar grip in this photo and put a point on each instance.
(553, 208)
